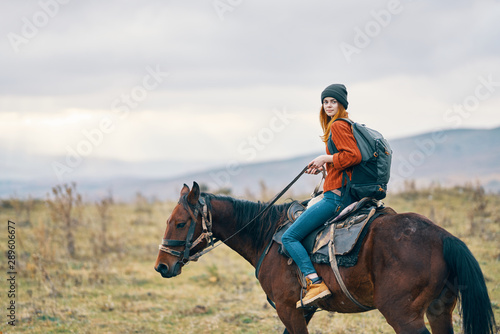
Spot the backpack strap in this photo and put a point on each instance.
(345, 120)
(345, 198)
(331, 146)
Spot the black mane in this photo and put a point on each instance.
(262, 229)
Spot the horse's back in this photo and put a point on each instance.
(408, 228)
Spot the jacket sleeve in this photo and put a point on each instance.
(349, 154)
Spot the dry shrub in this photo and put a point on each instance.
(64, 206)
(103, 209)
(479, 215)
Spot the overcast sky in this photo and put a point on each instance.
(216, 81)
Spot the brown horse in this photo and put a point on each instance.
(407, 267)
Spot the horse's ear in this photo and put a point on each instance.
(194, 194)
(184, 190)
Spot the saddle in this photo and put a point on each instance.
(348, 230)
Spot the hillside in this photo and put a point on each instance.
(450, 157)
(454, 156)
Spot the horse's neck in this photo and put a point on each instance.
(225, 226)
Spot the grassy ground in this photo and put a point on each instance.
(109, 285)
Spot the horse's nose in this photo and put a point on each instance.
(162, 269)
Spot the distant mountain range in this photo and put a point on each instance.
(450, 157)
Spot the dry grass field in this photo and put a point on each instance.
(89, 268)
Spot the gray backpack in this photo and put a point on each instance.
(370, 177)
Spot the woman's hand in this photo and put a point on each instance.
(318, 164)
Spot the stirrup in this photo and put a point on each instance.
(311, 306)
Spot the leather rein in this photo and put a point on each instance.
(206, 221)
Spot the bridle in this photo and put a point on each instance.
(206, 234)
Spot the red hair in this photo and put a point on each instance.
(326, 121)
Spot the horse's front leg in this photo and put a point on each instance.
(280, 282)
(293, 318)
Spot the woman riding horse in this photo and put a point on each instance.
(334, 105)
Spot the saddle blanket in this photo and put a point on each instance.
(348, 228)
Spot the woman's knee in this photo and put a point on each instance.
(288, 238)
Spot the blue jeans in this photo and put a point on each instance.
(307, 222)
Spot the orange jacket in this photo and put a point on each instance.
(348, 155)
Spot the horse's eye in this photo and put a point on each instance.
(181, 225)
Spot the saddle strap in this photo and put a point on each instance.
(335, 268)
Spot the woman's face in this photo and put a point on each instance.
(331, 106)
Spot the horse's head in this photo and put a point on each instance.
(188, 232)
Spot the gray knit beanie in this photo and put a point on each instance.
(337, 91)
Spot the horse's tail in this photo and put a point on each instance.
(470, 286)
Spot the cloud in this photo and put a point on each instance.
(230, 70)
(87, 48)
